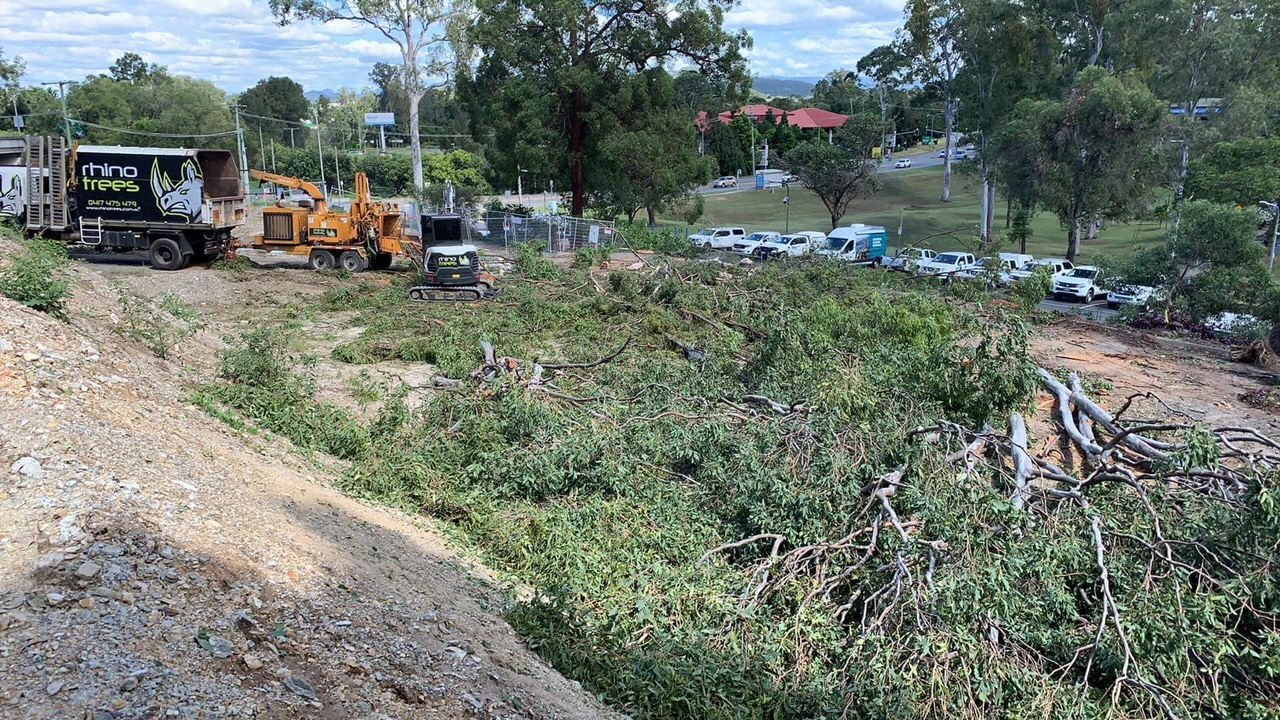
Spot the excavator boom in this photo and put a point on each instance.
(290, 182)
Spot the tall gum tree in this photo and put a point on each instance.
(547, 65)
(427, 33)
(933, 28)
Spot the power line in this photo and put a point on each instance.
(152, 134)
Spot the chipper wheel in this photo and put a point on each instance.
(320, 260)
(351, 261)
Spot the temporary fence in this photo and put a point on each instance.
(556, 233)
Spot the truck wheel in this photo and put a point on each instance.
(166, 255)
(320, 260)
(381, 261)
(1088, 298)
(351, 261)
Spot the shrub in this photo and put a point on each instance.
(161, 325)
(36, 275)
(1030, 291)
(532, 264)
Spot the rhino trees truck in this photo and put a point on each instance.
(179, 205)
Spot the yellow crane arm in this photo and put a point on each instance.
(289, 182)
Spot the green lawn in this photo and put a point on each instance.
(913, 195)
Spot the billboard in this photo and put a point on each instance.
(139, 187)
(379, 118)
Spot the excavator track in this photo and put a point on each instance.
(456, 293)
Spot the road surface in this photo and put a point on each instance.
(746, 182)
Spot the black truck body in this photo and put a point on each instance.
(180, 205)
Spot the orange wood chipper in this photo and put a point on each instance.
(369, 235)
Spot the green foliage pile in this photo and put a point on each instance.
(745, 417)
(36, 275)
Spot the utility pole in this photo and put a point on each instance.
(66, 118)
(244, 161)
(291, 129)
(262, 146)
(315, 113)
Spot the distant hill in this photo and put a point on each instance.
(314, 95)
(777, 86)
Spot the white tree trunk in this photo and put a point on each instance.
(415, 141)
(946, 158)
(984, 224)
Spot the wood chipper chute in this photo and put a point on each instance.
(451, 267)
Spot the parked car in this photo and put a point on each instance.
(725, 181)
(856, 243)
(1081, 283)
(946, 264)
(906, 260)
(793, 245)
(1005, 263)
(748, 244)
(719, 238)
(1128, 294)
(903, 163)
(789, 178)
(1057, 267)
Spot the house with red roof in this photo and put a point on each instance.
(803, 118)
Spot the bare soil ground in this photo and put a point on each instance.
(154, 562)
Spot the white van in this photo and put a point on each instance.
(858, 243)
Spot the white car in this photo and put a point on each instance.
(748, 244)
(725, 181)
(1057, 267)
(1126, 294)
(789, 178)
(1081, 283)
(903, 163)
(1004, 262)
(718, 238)
(946, 264)
(906, 260)
(794, 245)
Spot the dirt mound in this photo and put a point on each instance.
(154, 562)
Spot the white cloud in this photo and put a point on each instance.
(373, 48)
(214, 8)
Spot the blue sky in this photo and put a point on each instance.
(234, 43)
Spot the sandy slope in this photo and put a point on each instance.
(141, 541)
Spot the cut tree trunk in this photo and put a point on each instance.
(577, 147)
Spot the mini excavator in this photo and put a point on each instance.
(451, 268)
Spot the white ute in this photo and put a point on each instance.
(1081, 283)
(1057, 268)
(793, 245)
(946, 264)
(718, 238)
(748, 244)
(906, 260)
(1004, 262)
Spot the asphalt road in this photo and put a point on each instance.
(1096, 310)
(746, 183)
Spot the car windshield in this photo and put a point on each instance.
(757, 237)
(1083, 273)
(836, 243)
(949, 258)
(706, 231)
(983, 262)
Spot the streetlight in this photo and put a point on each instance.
(1275, 230)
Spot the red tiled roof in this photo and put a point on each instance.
(811, 118)
(804, 118)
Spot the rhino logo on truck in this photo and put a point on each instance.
(11, 197)
(181, 199)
